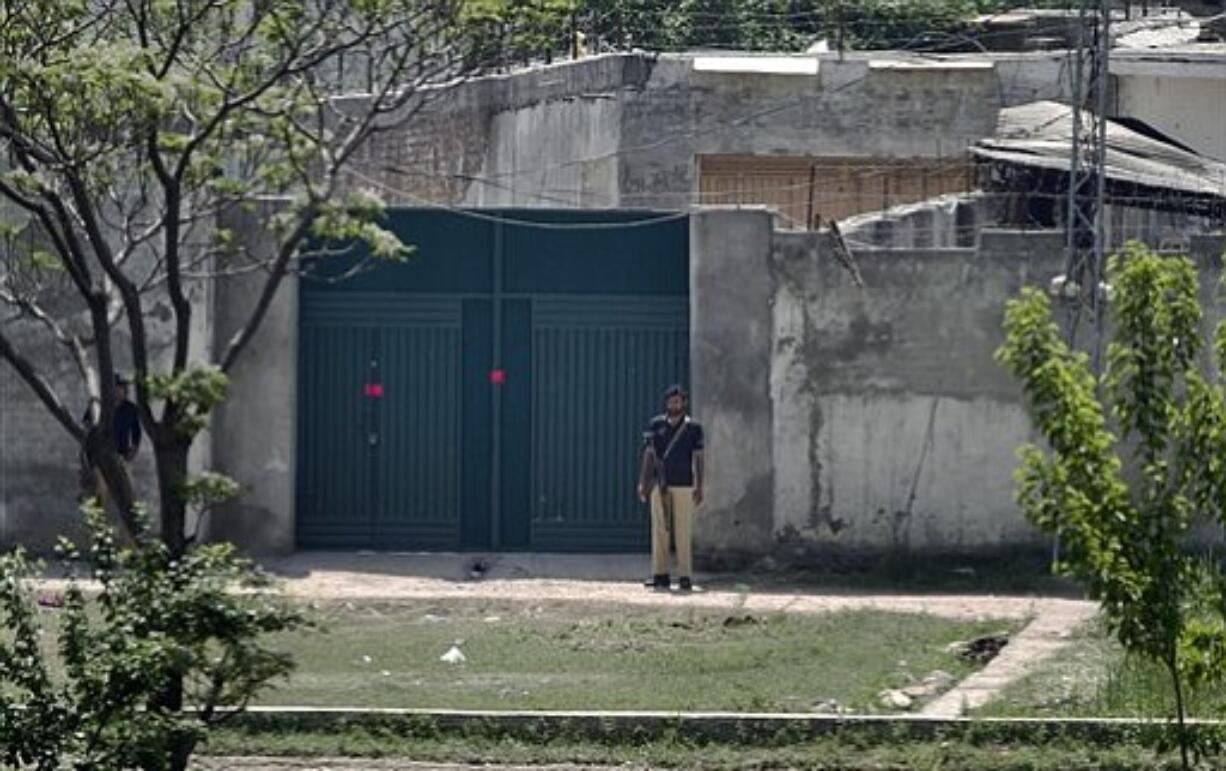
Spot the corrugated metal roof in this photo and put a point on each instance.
(1039, 135)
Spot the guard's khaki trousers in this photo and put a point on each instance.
(680, 503)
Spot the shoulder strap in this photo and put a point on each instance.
(685, 422)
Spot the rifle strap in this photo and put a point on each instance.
(685, 422)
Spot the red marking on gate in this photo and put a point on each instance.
(373, 390)
(498, 376)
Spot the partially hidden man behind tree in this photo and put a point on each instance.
(671, 476)
(126, 429)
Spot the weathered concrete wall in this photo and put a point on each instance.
(894, 425)
(543, 137)
(730, 317)
(846, 421)
(577, 167)
(38, 459)
(254, 431)
(850, 420)
(624, 130)
(852, 108)
(1188, 103)
(1032, 77)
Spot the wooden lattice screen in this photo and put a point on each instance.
(808, 189)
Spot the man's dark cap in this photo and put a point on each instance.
(121, 380)
(674, 390)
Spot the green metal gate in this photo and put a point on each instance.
(489, 393)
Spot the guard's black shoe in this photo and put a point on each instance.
(650, 583)
(686, 585)
(661, 581)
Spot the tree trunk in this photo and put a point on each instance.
(181, 755)
(1172, 667)
(171, 457)
(170, 702)
(103, 458)
(171, 460)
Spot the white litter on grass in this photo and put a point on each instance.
(492, 619)
(453, 656)
(367, 660)
(385, 673)
(433, 619)
(893, 699)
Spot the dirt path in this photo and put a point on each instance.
(341, 585)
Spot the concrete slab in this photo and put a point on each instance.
(1043, 638)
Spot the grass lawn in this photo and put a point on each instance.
(562, 656)
(1095, 678)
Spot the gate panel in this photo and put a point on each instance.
(599, 366)
(515, 431)
(489, 392)
(419, 502)
(477, 415)
(334, 456)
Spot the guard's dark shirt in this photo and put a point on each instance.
(679, 465)
(126, 427)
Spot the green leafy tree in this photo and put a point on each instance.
(96, 698)
(543, 27)
(1122, 499)
(875, 24)
(777, 25)
(624, 24)
(129, 128)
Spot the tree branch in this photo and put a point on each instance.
(276, 274)
(73, 263)
(171, 256)
(73, 343)
(42, 389)
(127, 292)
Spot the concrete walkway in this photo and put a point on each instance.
(617, 579)
(1040, 640)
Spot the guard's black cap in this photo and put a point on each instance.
(674, 390)
(121, 380)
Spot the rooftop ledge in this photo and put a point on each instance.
(933, 66)
(758, 65)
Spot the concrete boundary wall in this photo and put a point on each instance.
(892, 427)
(730, 363)
(254, 432)
(841, 419)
